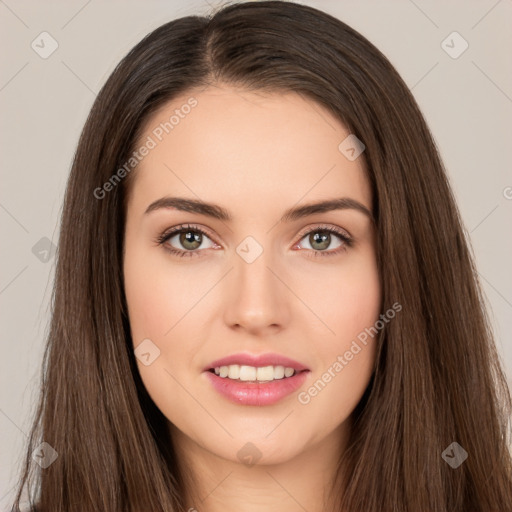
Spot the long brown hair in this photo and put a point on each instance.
(437, 377)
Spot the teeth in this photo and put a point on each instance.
(288, 372)
(278, 372)
(252, 373)
(234, 371)
(247, 373)
(265, 373)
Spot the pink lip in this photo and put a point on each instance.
(257, 360)
(256, 393)
(253, 393)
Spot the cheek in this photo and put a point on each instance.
(152, 307)
(157, 296)
(346, 298)
(357, 301)
(346, 358)
(157, 301)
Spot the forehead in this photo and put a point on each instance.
(246, 148)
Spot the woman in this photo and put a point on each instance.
(264, 297)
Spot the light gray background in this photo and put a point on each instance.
(467, 102)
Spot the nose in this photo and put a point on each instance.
(257, 299)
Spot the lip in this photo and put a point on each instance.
(257, 360)
(252, 393)
(256, 393)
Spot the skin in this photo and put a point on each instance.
(255, 154)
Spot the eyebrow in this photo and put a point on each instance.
(218, 212)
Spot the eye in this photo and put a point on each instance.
(188, 240)
(321, 238)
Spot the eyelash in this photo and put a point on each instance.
(347, 242)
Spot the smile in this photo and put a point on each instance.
(254, 374)
(253, 391)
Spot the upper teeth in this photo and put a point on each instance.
(246, 373)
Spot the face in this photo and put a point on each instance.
(247, 278)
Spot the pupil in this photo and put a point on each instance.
(323, 239)
(190, 237)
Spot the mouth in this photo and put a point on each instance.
(258, 381)
(254, 374)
